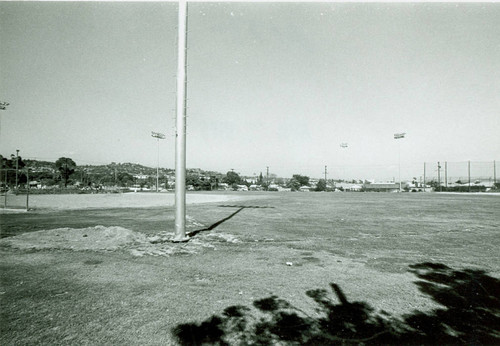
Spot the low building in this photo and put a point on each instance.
(348, 187)
(383, 187)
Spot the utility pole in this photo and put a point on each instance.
(158, 136)
(180, 135)
(468, 173)
(439, 176)
(446, 174)
(424, 177)
(325, 177)
(267, 176)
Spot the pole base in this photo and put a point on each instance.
(180, 240)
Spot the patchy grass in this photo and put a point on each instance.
(364, 242)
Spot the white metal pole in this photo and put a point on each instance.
(157, 163)
(399, 165)
(399, 136)
(180, 140)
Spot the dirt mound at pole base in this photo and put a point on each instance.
(89, 238)
(100, 238)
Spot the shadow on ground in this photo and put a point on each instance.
(470, 316)
(214, 225)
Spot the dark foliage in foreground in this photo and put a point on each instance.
(470, 316)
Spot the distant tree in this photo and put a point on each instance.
(193, 180)
(302, 179)
(10, 167)
(204, 184)
(321, 186)
(297, 181)
(293, 184)
(232, 178)
(66, 167)
(125, 179)
(17, 159)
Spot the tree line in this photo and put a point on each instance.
(64, 172)
(14, 170)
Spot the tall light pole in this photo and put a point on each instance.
(180, 135)
(158, 136)
(343, 146)
(399, 136)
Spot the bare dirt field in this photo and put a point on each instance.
(268, 268)
(111, 200)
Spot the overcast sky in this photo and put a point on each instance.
(270, 84)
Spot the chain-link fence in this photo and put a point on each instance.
(462, 176)
(14, 189)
